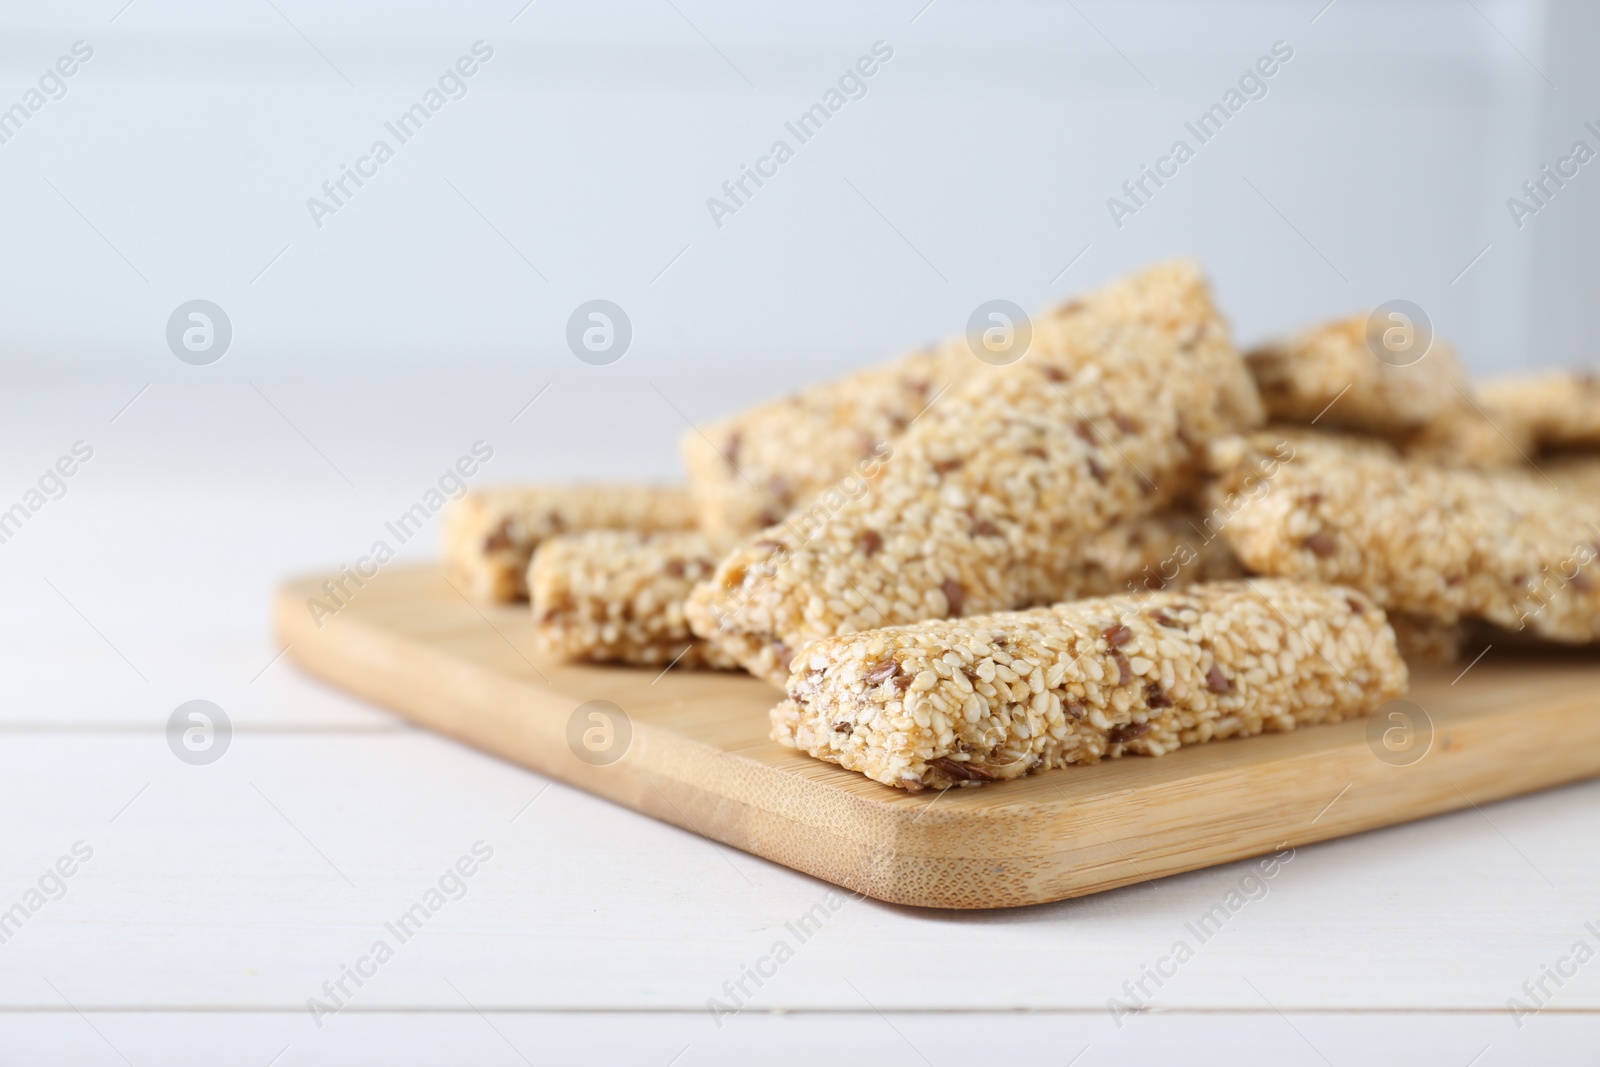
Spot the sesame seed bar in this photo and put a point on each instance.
(984, 699)
(1329, 376)
(1562, 408)
(982, 500)
(1576, 472)
(1440, 542)
(1155, 552)
(1331, 372)
(1472, 435)
(616, 596)
(1425, 642)
(747, 471)
(490, 534)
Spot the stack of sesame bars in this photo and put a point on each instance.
(1119, 536)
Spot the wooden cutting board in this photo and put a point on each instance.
(691, 748)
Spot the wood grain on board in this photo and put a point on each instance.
(699, 757)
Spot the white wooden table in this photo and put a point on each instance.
(219, 898)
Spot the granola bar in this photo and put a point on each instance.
(1562, 408)
(490, 534)
(617, 596)
(747, 471)
(983, 500)
(1434, 541)
(1329, 375)
(1163, 551)
(1577, 473)
(994, 697)
(1425, 642)
(1473, 435)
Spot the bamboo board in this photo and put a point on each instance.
(691, 748)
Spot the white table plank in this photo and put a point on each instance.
(862, 1038)
(226, 887)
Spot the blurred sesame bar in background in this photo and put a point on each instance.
(1329, 374)
(988, 495)
(616, 596)
(1356, 374)
(490, 534)
(1425, 642)
(1576, 472)
(1439, 542)
(1562, 409)
(1474, 435)
(1162, 551)
(994, 697)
